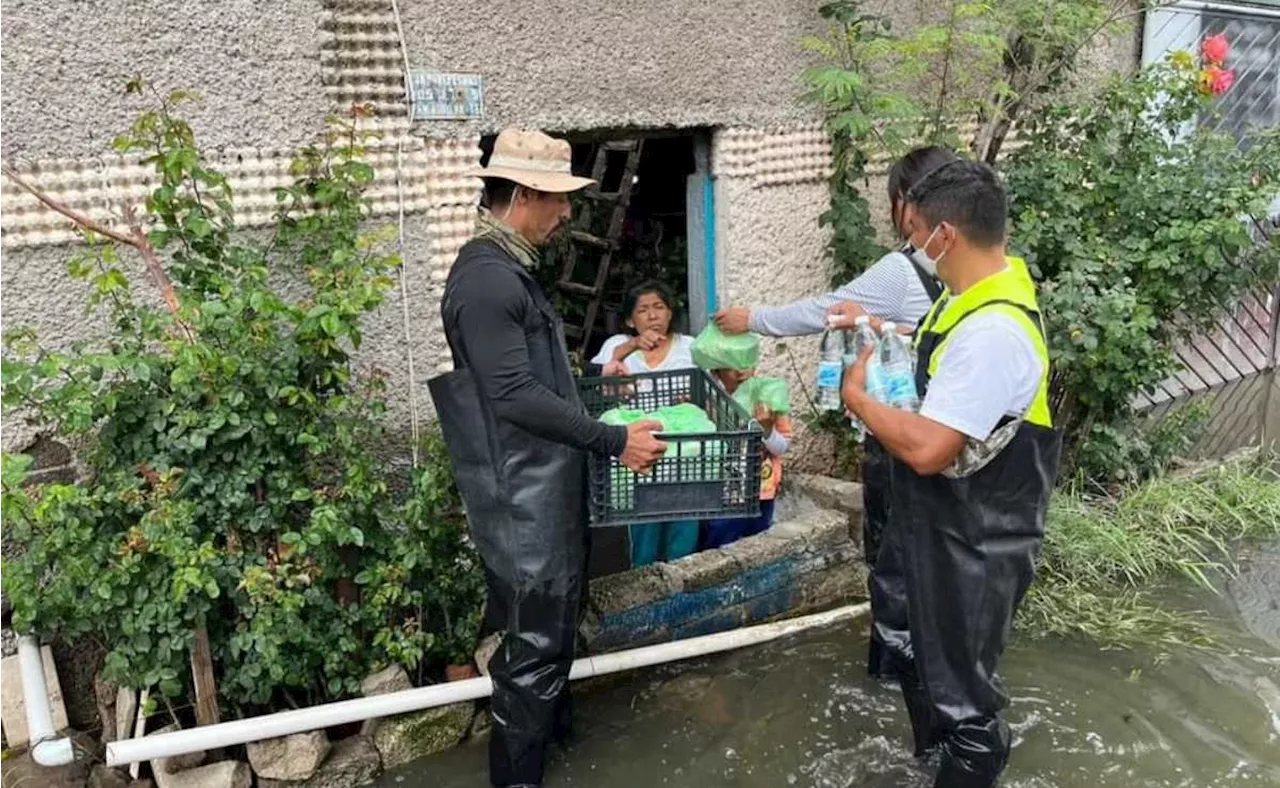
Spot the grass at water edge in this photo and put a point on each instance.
(1103, 553)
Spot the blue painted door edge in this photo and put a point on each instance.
(709, 237)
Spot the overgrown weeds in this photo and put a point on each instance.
(1104, 553)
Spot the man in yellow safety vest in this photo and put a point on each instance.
(971, 473)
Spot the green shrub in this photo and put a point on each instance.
(235, 482)
(1139, 234)
(1137, 448)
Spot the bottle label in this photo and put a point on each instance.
(829, 374)
(901, 388)
(876, 383)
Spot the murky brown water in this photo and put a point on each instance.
(800, 713)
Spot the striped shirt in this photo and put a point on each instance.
(890, 290)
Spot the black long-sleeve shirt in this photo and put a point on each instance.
(492, 324)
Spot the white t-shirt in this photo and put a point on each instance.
(989, 369)
(679, 355)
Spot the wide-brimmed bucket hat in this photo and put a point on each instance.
(532, 159)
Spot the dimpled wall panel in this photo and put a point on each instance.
(776, 157)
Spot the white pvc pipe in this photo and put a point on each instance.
(45, 749)
(285, 723)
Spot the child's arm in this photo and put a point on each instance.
(779, 438)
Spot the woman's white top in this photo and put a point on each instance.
(679, 355)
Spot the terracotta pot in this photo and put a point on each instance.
(460, 672)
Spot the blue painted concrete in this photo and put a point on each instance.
(755, 594)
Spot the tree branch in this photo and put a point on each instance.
(949, 53)
(75, 216)
(155, 268)
(137, 238)
(986, 145)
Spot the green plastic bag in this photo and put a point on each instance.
(714, 349)
(770, 392)
(684, 418)
(690, 460)
(622, 417)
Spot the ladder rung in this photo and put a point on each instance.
(579, 289)
(594, 240)
(620, 145)
(596, 194)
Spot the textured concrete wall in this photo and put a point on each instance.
(771, 251)
(1116, 51)
(268, 74)
(256, 64)
(577, 64)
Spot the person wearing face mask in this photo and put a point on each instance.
(900, 287)
(895, 287)
(518, 434)
(970, 474)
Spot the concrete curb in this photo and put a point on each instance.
(808, 562)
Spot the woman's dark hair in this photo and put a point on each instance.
(643, 289)
(910, 170)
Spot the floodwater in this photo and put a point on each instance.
(800, 712)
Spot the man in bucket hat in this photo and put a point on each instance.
(518, 436)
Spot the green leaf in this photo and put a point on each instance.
(331, 324)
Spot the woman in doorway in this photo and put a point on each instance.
(901, 286)
(651, 347)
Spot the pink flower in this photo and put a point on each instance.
(1215, 81)
(1215, 49)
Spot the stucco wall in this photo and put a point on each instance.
(575, 64)
(256, 64)
(771, 252)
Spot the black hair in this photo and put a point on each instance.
(498, 192)
(966, 194)
(910, 170)
(645, 288)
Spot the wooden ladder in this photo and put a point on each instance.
(580, 236)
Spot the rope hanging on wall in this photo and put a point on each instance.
(404, 263)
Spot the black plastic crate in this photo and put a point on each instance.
(702, 476)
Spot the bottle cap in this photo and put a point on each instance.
(888, 327)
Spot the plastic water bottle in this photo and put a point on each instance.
(861, 337)
(877, 374)
(850, 347)
(830, 370)
(899, 370)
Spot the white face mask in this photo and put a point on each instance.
(922, 258)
